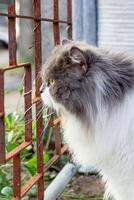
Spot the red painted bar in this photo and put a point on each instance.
(28, 103)
(56, 23)
(33, 18)
(12, 35)
(17, 150)
(16, 177)
(57, 139)
(16, 66)
(2, 120)
(39, 122)
(55, 158)
(57, 41)
(30, 183)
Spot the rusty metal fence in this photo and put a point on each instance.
(18, 191)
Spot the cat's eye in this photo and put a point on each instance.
(51, 82)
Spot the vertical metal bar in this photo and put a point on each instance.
(57, 41)
(57, 139)
(16, 177)
(2, 120)
(12, 34)
(28, 104)
(69, 18)
(39, 122)
(56, 23)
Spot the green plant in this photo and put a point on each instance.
(6, 193)
(15, 126)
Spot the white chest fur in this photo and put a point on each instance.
(110, 147)
(79, 139)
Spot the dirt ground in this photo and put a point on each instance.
(84, 187)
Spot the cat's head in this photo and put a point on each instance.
(64, 78)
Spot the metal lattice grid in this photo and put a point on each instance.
(18, 191)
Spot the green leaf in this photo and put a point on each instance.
(46, 157)
(31, 165)
(11, 146)
(32, 192)
(1, 179)
(8, 123)
(10, 120)
(33, 160)
(24, 153)
(34, 138)
(3, 197)
(32, 170)
(21, 89)
(7, 191)
(10, 136)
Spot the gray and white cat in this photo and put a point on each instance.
(93, 91)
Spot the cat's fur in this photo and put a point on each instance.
(94, 93)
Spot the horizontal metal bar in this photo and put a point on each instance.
(55, 158)
(57, 121)
(17, 150)
(35, 18)
(15, 66)
(58, 185)
(36, 100)
(30, 183)
(54, 122)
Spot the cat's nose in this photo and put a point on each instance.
(42, 88)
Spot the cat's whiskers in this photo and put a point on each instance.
(46, 125)
(27, 110)
(36, 117)
(26, 93)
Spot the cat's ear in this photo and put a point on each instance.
(66, 41)
(77, 56)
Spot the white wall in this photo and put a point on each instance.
(116, 24)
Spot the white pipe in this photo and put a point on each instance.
(57, 186)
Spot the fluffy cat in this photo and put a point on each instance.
(93, 90)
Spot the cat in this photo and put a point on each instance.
(93, 90)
